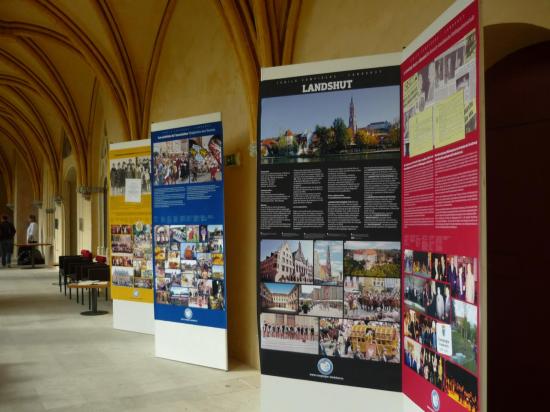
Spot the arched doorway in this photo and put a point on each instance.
(517, 123)
(70, 227)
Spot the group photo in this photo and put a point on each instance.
(420, 328)
(130, 168)
(463, 278)
(122, 276)
(122, 244)
(428, 296)
(438, 266)
(424, 362)
(372, 298)
(357, 339)
(289, 333)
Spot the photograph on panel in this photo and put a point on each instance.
(374, 259)
(289, 333)
(339, 125)
(358, 339)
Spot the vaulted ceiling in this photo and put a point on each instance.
(57, 56)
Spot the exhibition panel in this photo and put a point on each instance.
(329, 227)
(189, 246)
(131, 254)
(441, 213)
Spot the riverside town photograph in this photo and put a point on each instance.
(336, 125)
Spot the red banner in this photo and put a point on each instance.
(441, 218)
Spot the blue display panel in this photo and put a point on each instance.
(188, 220)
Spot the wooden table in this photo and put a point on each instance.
(94, 286)
(32, 246)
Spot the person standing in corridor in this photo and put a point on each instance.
(32, 230)
(7, 234)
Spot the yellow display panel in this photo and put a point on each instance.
(130, 240)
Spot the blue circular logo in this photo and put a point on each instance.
(136, 293)
(435, 400)
(188, 313)
(325, 366)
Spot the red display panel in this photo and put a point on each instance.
(441, 218)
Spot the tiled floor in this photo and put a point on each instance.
(54, 359)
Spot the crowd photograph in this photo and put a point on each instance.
(372, 298)
(171, 162)
(183, 161)
(130, 168)
(289, 333)
(424, 362)
(357, 339)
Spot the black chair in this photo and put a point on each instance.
(61, 270)
(92, 271)
(70, 273)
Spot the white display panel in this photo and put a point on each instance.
(301, 395)
(133, 316)
(181, 342)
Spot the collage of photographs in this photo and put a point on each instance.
(132, 255)
(432, 98)
(189, 263)
(440, 322)
(184, 161)
(331, 297)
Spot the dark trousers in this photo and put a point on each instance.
(6, 250)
